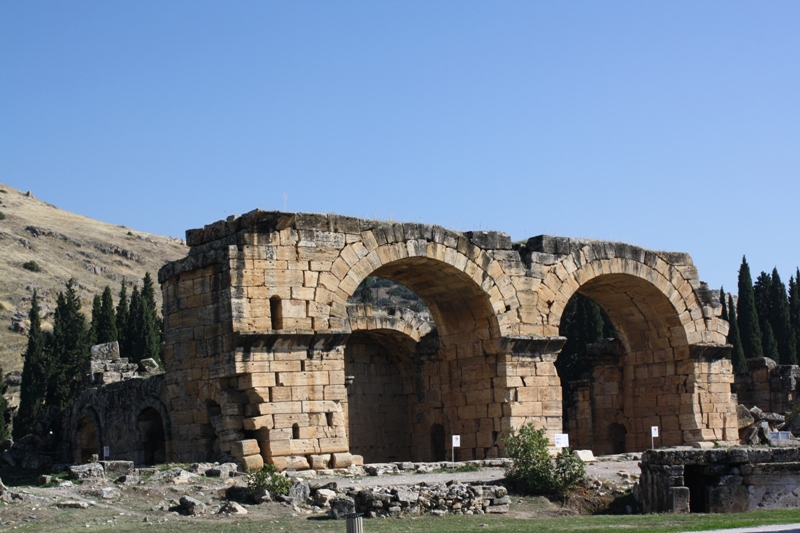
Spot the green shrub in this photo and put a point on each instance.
(269, 479)
(794, 410)
(533, 472)
(33, 266)
(2, 216)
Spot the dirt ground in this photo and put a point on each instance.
(157, 501)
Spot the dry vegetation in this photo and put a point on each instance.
(63, 245)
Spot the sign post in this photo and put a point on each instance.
(562, 440)
(456, 444)
(653, 435)
(106, 452)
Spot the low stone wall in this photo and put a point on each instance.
(719, 481)
(769, 386)
(437, 499)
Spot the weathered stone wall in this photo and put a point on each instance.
(257, 327)
(769, 386)
(720, 481)
(128, 416)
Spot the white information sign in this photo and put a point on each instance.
(654, 431)
(456, 441)
(106, 451)
(562, 440)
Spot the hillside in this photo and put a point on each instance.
(64, 245)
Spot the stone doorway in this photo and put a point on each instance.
(378, 397)
(88, 440)
(151, 434)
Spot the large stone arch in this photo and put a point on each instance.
(257, 316)
(671, 371)
(391, 390)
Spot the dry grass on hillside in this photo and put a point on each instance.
(64, 245)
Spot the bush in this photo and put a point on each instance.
(269, 479)
(533, 472)
(2, 216)
(33, 266)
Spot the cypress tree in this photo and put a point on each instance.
(5, 418)
(737, 354)
(35, 373)
(749, 329)
(365, 291)
(780, 321)
(581, 323)
(724, 301)
(134, 327)
(794, 308)
(762, 293)
(122, 321)
(70, 350)
(769, 343)
(96, 304)
(107, 323)
(153, 326)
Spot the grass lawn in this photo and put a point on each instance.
(77, 520)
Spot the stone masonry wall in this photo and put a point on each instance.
(256, 326)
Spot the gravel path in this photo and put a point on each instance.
(613, 468)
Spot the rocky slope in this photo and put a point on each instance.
(64, 245)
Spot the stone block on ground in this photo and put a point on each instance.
(86, 471)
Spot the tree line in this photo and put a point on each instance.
(765, 321)
(54, 363)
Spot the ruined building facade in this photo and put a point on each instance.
(264, 361)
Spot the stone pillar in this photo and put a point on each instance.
(529, 388)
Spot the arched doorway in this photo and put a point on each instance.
(450, 379)
(151, 437)
(87, 439)
(379, 395)
(641, 378)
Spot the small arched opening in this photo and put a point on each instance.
(152, 448)
(616, 438)
(276, 312)
(438, 444)
(88, 439)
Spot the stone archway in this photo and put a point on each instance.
(87, 437)
(280, 380)
(670, 370)
(151, 436)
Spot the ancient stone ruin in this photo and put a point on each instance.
(265, 361)
(731, 480)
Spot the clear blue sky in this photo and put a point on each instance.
(672, 125)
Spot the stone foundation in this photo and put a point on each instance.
(720, 481)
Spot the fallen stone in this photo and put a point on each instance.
(148, 365)
(71, 504)
(116, 469)
(232, 508)
(746, 419)
(584, 455)
(300, 491)
(105, 493)
(261, 496)
(86, 471)
(342, 506)
(192, 506)
(323, 497)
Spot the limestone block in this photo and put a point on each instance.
(342, 460)
(258, 422)
(252, 462)
(243, 448)
(290, 462)
(319, 461)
